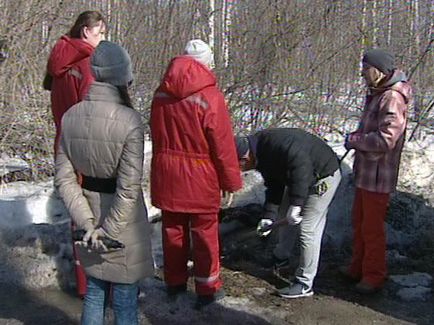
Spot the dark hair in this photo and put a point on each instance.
(242, 144)
(125, 96)
(85, 19)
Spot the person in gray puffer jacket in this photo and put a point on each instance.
(99, 169)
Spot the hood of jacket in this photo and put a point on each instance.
(398, 82)
(66, 53)
(186, 76)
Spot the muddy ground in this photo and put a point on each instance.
(250, 287)
(246, 259)
(250, 300)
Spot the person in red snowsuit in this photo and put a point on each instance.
(194, 159)
(68, 78)
(68, 69)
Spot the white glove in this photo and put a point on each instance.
(270, 211)
(293, 216)
(86, 237)
(264, 227)
(94, 235)
(227, 198)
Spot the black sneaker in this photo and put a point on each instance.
(173, 291)
(205, 300)
(297, 290)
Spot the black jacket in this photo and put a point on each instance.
(292, 158)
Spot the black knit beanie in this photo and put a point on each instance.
(242, 144)
(380, 59)
(111, 63)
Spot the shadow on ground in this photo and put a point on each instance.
(34, 263)
(21, 306)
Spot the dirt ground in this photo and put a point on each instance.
(250, 294)
(250, 300)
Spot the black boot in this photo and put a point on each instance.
(205, 300)
(173, 291)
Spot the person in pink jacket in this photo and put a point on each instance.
(378, 143)
(194, 159)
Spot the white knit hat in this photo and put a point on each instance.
(200, 51)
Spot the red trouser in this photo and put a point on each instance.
(369, 241)
(176, 249)
(80, 276)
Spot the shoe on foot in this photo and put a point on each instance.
(297, 290)
(205, 300)
(176, 289)
(366, 288)
(344, 271)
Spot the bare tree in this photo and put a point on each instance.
(279, 62)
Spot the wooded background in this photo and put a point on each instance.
(279, 62)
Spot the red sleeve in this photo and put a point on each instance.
(220, 137)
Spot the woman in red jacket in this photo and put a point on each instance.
(69, 77)
(68, 69)
(194, 159)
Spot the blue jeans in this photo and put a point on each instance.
(124, 302)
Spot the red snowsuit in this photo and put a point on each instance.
(194, 158)
(69, 67)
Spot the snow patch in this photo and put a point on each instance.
(10, 165)
(418, 293)
(415, 279)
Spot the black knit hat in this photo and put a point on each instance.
(111, 63)
(242, 144)
(380, 59)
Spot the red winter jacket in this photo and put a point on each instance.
(69, 66)
(194, 155)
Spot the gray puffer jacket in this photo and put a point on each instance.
(102, 138)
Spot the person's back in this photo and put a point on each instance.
(194, 159)
(68, 77)
(99, 170)
(193, 150)
(301, 175)
(97, 128)
(297, 154)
